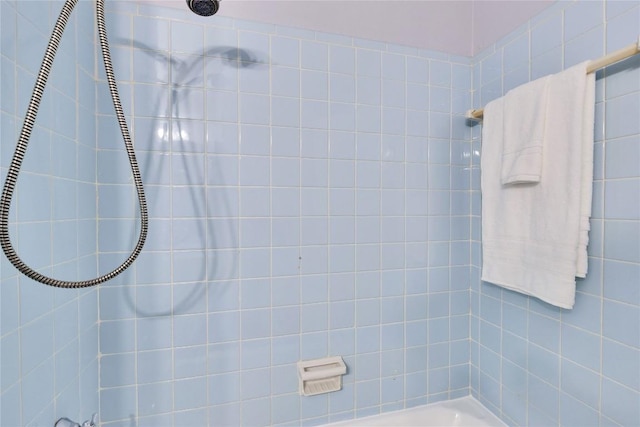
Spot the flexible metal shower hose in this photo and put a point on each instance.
(23, 141)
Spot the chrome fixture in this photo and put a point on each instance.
(66, 422)
(204, 7)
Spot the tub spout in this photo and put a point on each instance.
(66, 422)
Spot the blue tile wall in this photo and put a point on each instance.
(301, 194)
(310, 195)
(49, 337)
(531, 363)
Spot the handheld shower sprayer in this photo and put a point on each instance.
(203, 7)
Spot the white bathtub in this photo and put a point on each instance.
(463, 412)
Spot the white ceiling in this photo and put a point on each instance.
(461, 27)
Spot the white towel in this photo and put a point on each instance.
(534, 236)
(525, 109)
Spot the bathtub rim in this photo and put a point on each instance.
(465, 404)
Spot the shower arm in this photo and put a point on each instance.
(23, 141)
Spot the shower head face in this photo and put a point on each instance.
(203, 7)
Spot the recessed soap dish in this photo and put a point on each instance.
(319, 376)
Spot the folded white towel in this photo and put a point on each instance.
(586, 190)
(534, 236)
(525, 109)
(570, 118)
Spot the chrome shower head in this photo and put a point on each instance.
(203, 7)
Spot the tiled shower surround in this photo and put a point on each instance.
(309, 195)
(304, 203)
(49, 337)
(532, 363)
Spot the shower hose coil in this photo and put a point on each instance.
(23, 141)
